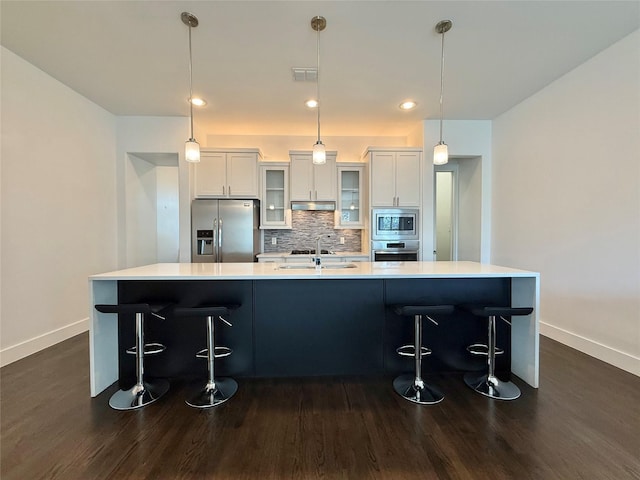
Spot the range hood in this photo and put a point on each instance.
(322, 206)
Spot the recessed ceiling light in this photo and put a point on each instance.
(311, 103)
(408, 105)
(198, 102)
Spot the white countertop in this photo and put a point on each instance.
(270, 271)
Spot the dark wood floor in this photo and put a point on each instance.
(583, 423)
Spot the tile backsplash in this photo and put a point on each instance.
(306, 226)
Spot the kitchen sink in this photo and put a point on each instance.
(311, 266)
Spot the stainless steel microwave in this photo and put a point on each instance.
(395, 224)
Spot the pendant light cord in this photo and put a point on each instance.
(318, 74)
(441, 86)
(190, 85)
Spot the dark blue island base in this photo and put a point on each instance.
(313, 327)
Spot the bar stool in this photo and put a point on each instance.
(216, 390)
(144, 391)
(411, 386)
(487, 383)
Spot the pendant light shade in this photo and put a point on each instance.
(440, 154)
(191, 146)
(319, 153)
(319, 157)
(441, 151)
(192, 150)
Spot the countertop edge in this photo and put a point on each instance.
(266, 271)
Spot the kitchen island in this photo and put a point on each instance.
(304, 321)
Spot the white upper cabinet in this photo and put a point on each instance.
(275, 209)
(351, 209)
(227, 173)
(395, 177)
(311, 182)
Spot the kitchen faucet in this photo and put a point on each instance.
(316, 259)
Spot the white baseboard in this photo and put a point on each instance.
(623, 360)
(23, 349)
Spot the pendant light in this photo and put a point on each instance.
(319, 157)
(191, 146)
(441, 151)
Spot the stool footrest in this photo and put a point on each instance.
(219, 352)
(410, 351)
(149, 349)
(482, 350)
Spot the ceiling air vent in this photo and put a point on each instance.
(302, 74)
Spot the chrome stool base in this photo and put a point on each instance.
(492, 386)
(406, 387)
(138, 396)
(211, 395)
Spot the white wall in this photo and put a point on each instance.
(276, 147)
(167, 214)
(152, 199)
(141, 210)
(470, 208)
(468, 140)
(566, 202)
(146, 137)
(58, 207)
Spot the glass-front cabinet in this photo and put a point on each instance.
(351, 202)
(275, 207)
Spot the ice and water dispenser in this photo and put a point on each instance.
(204, 242)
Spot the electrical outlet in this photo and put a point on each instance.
(274, 240)
(341, 240)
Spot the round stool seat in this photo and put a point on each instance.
(145, 308)
(413, 310)
(489, 311)
(488, 384)
(204, 311)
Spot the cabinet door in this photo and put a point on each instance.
(383, 191)
(350, 199)
(211, 175)
(301, 178)
(408, 179)
(275, 210)
(242, 175)
(324, 179)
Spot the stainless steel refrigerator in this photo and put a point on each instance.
(225, 230)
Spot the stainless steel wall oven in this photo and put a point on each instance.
(395, 235)
(395, 251)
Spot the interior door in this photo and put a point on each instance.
(445, 214)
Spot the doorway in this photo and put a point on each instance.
(458, 210)
(152, 218)
(446, 212)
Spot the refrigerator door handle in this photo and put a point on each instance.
(215, 239)
(220, 240)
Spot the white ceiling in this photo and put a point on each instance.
(131, 57)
